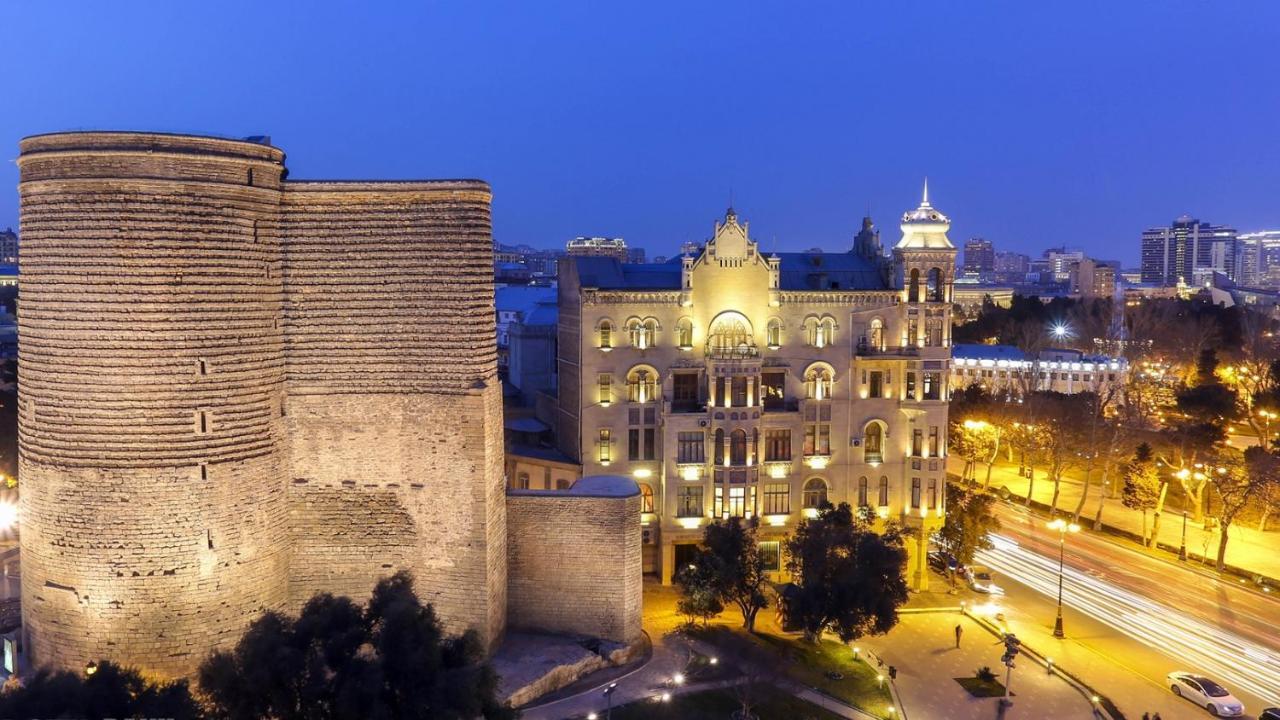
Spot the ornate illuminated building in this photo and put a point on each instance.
(738, 383)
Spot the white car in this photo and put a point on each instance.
(981, 580)
(1206, 693)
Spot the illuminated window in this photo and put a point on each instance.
(773, 333)
(604, 385)
(522, 481)
(862, 491)
(817, 439)
(646, 498)
(642, 385)
(642, 433)
(777, 499)
(875, 334)
(731, 335)
(933, 493)
(773, 387)
(932, 386)
(933, 442)
(917, 442)
(873, 443)
(643, 333)
(605, 331)
(777, 445)
(771, 553)
(815, 493)
(684, 333)
(738, 447)
(817, 383)
(604, 446)
(692, 447)
(915, 493)
(689, 501)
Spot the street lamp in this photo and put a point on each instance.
(608, 696)
(1182, 548)
(1063, 527)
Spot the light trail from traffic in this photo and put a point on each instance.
(1224, 656)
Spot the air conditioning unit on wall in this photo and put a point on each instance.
(648, 536)
(704, 422)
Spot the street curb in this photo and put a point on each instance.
(1100, 706)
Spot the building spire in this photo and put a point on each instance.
(924, 202)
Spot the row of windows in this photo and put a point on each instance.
(741, 448)
(776, 497)
(1026, 374)
(644, 385)
(727, 333)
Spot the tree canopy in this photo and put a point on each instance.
(848, 578)
(969, 523)
(111, 691)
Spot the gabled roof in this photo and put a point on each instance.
(829, 271)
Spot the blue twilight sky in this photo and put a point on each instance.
(1038, 123)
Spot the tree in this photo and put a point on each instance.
(849, 579)
(730, 564)
(1205, 409)
(1070, 417)
(969, 522)
(1238, 480)
(387, 661)
(699, 590)
(1142, 486)
(111, 691)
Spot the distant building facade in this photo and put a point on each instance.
(598, 247)
(1258, 259)
(1090, 279)
(1189, 250)
(737, 383)
(8, 247)
(979, 256)
(1006, 371)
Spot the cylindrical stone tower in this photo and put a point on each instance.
(153, 503)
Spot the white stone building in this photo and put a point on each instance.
(735, 382)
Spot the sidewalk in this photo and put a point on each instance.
(1250, 550)
(922, 648)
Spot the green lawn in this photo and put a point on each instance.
(809, 664)
(720, 704)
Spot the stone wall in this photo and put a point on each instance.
(151, 372)
(236, 392)
(574, 559)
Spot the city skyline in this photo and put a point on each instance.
(1023, 137)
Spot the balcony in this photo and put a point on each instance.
(777, 406)
(686, 407)
(865, 349)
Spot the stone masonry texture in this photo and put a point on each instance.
(236, 391)
(575, 564)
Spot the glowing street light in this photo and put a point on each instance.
(8, 515)
(1063, 527)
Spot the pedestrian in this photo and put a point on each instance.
(1146, 716)
(959, 632)
(893, 673)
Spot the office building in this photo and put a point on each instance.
(1188, 250)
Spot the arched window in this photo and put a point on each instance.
(826, 332)
(738, 447)
(862, 491)
(873, 443)
(605, 332)
(643, 333)
(913, 286)
(936, 285)
(522, 481)
(884, 491)
(875, 334)
(731, 335)
(773, 333)
(815, 493)
(646, 498)
(684, 333)
(817, 382)
(642, 384)
(719, 449)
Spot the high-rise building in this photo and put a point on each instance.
(1188, 250)
(1012, 266)
(1060, 261)
(979, 256)
(8, 247)
(1258, 259)
(740, 383)
(1090, 278)
(597, 247)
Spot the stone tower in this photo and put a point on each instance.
(236, 391)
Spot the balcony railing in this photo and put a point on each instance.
(867, 349)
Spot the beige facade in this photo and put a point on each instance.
(740, 383)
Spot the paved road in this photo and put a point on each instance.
(1143, 615)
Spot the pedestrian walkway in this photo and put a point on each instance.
(1249, 549)
(923, 650)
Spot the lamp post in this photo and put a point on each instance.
(1063, 527)
(608, 696)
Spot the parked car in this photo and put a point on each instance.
(1206, 693)
(982, 580)
(1270, 714)
(943, 561)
